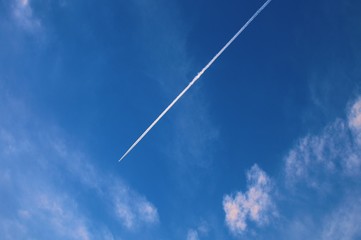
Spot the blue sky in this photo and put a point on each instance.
(266, 145)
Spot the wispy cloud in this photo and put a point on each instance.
(23, 15)
(255, 205)
(343, 222)
(60, 213)
(335, 150)
(354, 120)
(132, 209)
(192, 235)
(195, 233)
(340, 221)
(41, 212)
(39, 172)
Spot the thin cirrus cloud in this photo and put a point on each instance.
(130, 208)
(23, 15)
(335, 150)
(39, 174)
(255, 205)
(50, 213)
(58, 213)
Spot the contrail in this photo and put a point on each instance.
(196, 78)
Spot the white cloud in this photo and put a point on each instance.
(255, 204)
(336, 150)
(24, 17)
(354, 120)
(355, 115)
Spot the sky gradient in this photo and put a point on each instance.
(266, 145)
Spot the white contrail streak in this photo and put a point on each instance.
(196, 78)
